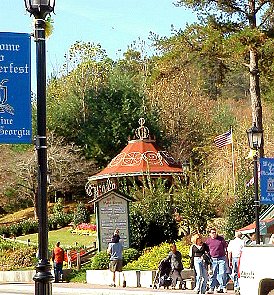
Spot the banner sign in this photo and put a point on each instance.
(15, 92)
(267, 180)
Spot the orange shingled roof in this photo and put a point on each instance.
(139, 157)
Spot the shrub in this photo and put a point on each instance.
(29, 226)
(15, 229)
(151, 219)
(4, 231)
(152, 256)
(52, 223)
(62, 219)
(130, 255)
(81, 214)
(100, 260)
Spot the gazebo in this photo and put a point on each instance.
(140, 158)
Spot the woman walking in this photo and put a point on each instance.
(198, 252)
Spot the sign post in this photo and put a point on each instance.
(15, 93)
(112, 213)
(267, 180)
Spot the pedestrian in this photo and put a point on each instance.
(58, 257)
(199, 260)
(115, 249)
(252, 241)
(271, 240)
(175, 259)
(217, 249)
(234, 250)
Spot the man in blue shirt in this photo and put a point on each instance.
(115, 249)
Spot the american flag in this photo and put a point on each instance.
(223, 139)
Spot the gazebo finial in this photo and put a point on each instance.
(142, 132)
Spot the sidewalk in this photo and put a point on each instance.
(88, 289)
(106, 290)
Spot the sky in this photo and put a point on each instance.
(115, 24)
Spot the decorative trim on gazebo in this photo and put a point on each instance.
(141, 157)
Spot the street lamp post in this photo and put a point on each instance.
(43, 277)
(254, 140)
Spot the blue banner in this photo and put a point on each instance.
(15, 91)
(267, 180)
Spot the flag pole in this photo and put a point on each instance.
(233, 162)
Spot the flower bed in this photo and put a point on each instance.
(84, 229)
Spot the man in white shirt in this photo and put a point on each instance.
(234, 250)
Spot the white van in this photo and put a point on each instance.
(256, 270)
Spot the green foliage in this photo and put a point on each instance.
(58, 207)
(4, 231)
(196, 202)
(152, 256)
(78, 276)
(241, 212)
(223, 117)
(16, 256)
(59, 217)
(29, 226)
(151, 217)
(97, 105)
(24, 227)
(15, 229)
(81, 215)
(129, 255)
(100, 260)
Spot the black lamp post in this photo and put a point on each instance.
(254, 140)
(43, 277)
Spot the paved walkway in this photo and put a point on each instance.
(87, 289)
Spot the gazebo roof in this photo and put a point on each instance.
(140, 157)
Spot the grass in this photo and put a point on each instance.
(67, 239)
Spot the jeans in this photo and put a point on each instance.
(176, 276)
(58, 271)
(218, 273)
(201, 274)
(235, 264)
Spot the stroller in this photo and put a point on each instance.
(162, 277)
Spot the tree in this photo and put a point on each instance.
(68, 170)
(151, 215)
(251, 22)
(196, 202)
(112, 110)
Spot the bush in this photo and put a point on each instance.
(100, 260)
(15, 229)
(63, 219)
(29, 226)
(151, 219)
(152, 256)
(4, 231)
(130, 255)
(81, 214)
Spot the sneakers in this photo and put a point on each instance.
(220, 291)
(112, 285)
(210, 291)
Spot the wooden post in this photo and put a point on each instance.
(78, 261)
